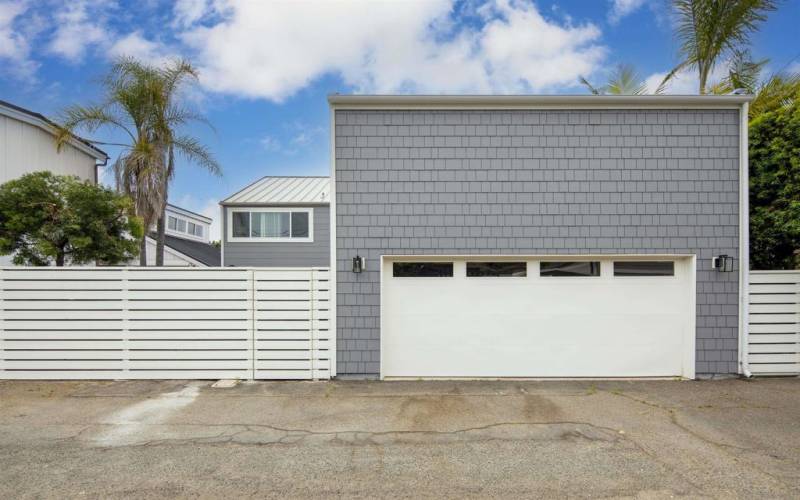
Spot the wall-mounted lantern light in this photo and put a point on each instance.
(722, 263)
(358, 264)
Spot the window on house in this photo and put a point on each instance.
(269, 224)
(498, 269)
(172, 223)
(192, 227)
(569, 269)
(182, 225)
(422, 269)
(198, 230)
(644, 268)
(265, 224)
(241, 224)
(299, 224)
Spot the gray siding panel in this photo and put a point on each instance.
(316, 253)
(536, 182)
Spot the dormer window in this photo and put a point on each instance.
(179, 225)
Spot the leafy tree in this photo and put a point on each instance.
(623, 81)
(141, 101)
(775, 189)
(711, 31)
(46, 217)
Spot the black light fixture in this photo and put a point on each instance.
(358, 264)
(722, 263)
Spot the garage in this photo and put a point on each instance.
(623, 316)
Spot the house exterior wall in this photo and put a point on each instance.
(281, 254)
(535, 182)
(25, 148)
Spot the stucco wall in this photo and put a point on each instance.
(283, 254)
(535, 182)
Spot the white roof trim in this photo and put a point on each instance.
(536, 101)
(49, 128)
(188, 213)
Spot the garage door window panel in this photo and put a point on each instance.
(497, 269)
(569, 269)
(422, 269)
(644, 268)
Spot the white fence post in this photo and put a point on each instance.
(251, 277)
(125, 317)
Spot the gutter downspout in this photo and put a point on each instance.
(97, 166)
(744, 242)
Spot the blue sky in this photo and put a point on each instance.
(266, 67)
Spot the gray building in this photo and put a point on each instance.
(552, 236)
(278, 222)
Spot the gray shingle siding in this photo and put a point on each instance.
(261, 254)
(536, 182)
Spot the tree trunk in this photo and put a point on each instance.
(143, 251)
(60, 257)
(161, 227)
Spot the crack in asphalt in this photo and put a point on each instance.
(672, 413)
(356, 436)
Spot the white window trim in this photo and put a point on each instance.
(239, 239)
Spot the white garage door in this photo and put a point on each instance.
(524, 317)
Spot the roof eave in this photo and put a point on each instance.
(276, 204)
(537, 101)
(38, 120)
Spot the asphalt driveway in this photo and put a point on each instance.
(727, 438)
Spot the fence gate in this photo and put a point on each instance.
(774, 322)
(138, 323)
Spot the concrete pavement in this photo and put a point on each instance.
(470, 439)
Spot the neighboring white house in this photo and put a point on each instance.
(27, 144)
(187, 241)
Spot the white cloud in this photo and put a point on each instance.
(136, 45)
(212, 211)
(685, 82)
(77, 27)
(622, 8)
(270, 143)
(272, 50)
(188, 12)
(14, 44)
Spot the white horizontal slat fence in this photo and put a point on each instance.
(140, 323)
(774, 323)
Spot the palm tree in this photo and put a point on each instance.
(710, 31)
(169, 116)
(140, 102)
(775, 91)
(623, 81)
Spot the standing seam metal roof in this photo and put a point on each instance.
(283, 190)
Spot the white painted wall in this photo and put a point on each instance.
(26, 148)
(171, 257)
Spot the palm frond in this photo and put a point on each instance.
(626, 81)
(709, 31)
(194, 151)
(589, 86)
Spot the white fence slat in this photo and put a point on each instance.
(150, 323)
(774, 323)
